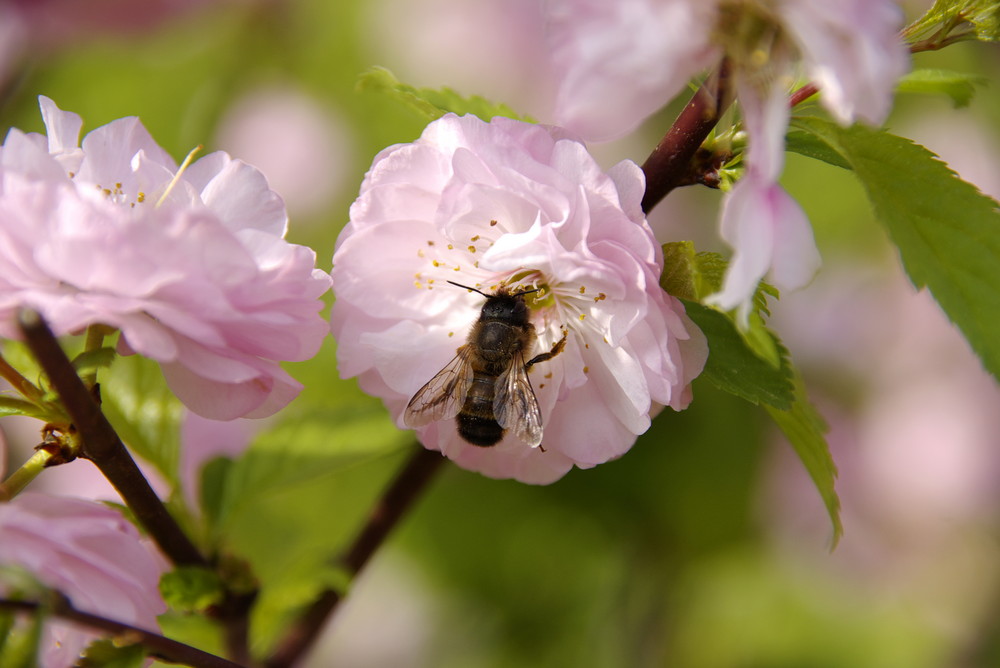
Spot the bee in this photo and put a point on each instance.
(486, 385)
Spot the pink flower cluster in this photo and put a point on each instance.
(618, 62)
(507, 202)
(191, 266)
(89, 553)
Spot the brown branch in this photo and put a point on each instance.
(397, 499)
(101, 444)
(160, 646)
(670, 163)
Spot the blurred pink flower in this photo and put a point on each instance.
(88, 552)
(301, 145)
(202, 281)
(483, 203)
(621, 61)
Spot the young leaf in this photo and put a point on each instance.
(948, 233)
(433, 103)
(733, 366)
(805, 429)
(191, 588)
(983, 17)
(15, 406)
(959, 86)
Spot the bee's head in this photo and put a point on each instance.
(503, 305)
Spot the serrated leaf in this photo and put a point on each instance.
(191, 588)
(734, 367)
(947, 232)
(805, 428)
(434, 103)
(144, 412)
(959, 86)
(92, 360)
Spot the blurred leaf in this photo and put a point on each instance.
(212, 485)
(92, 360)
(144, 412)
(948, 233)
(959, 86)
(804, 428)
(20, 639)
(944, 16)
(733, 366)
(433, 103)
(106, 653)
(296, 497)
(191, 588)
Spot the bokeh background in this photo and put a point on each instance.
(706, 545)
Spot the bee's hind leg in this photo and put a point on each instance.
(556, 349)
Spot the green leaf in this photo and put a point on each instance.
(983, 17)
(811, 146)
(433, 103)
(733, 366)
(92, 360)
(688, 274)
(804, 428)
(679, 270)
(959, 86)
(191, 588)
(948, 233)
(144, 411)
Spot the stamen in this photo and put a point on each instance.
(177, 176)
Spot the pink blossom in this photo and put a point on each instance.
(89, 553)
(618, 62)
(509, 202)
(621, 61)
(767, 229)
(193, 268)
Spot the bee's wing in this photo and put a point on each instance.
(443, 395)
(515, 406)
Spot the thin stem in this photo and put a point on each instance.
(24, 387)
(95, 339)
(102, 445)
(20, 478)
(397, 499)
(160, 646)
(670, 163)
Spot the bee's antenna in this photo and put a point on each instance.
(525, 292)
(468, 288)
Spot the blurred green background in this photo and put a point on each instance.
(705, 545)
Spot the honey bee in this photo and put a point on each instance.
(486, 385)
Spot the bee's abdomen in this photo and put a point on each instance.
(476, 422)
